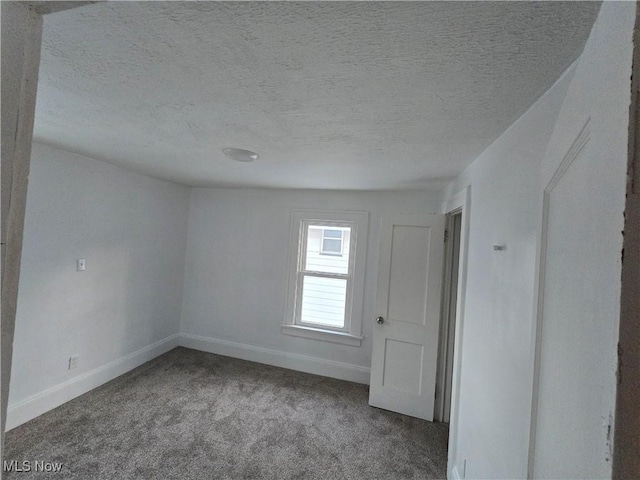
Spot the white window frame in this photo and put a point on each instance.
(322, 239)
(350, 334)
(302, 272)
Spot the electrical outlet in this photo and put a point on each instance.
(73, 362)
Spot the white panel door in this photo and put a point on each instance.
(405, 334)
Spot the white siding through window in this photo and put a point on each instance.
(324, 298)
(322, 262)
(326, 275)
(323, 301)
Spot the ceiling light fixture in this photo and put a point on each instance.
(240, 155)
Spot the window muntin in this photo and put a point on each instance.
(342, 274)
(324, 281)
(331, 243)
(315, 259)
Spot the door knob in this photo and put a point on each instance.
(380, 320)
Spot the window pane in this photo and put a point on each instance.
(332, 233)
(331, 245)
(323, 301)
(316, 261)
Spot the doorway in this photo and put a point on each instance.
(451, 264)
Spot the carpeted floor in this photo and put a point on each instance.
(194, 415)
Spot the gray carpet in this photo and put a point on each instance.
(194, 415)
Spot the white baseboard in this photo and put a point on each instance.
(454, 474)
(293, 361)
(53, 397)
(35, 405)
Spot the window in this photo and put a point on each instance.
(332, 240)
(326, 276)
(323, 280)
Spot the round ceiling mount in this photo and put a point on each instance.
(240, 155)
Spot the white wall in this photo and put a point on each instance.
(132, 231)
(492, 423)
(490, 437)
(236, 274)
(581, 303)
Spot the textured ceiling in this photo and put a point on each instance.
(363, 95)
(46, 7)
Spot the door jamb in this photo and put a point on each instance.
(446, 339)
(460, 201)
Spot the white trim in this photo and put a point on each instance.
(292, 361)
(572, 154)
(35, 405)
(323, 238)
(460, 201)
(457, 202)
(42, 402)
(442, 411)
(302, 271)
(454, 474)
(358, 221)
(333, 336)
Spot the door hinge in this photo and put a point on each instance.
(446, 235)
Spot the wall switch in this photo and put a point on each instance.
(73, 362)
(82, 264)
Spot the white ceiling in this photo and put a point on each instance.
(341, 95)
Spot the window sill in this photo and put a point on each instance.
(320, 334)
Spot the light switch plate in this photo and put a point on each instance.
(73, 362)
(82, 264)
